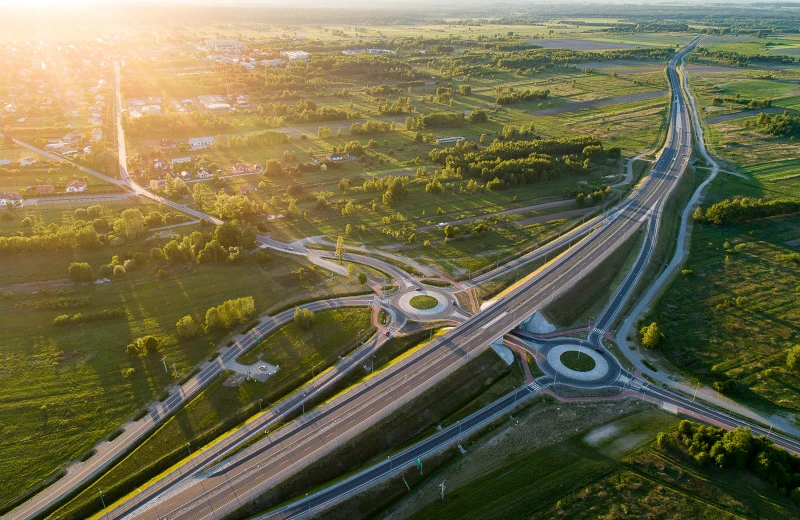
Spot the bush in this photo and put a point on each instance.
(187, 328)
(105, 271)
(230, 314)
(129, 265)
(650, 335)
(119, 271)
(80, 272)
(793, 359)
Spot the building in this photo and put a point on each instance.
(202, 173)
(224, 46)
(243, 101)
(213, 102)
(272, 63)
(180, 160)
(26, 161)
(44, 189)
(76, 186)
(246, 190)
(97, 134)
(72, 138)
(339, 157)
(10, 199)
(295, 55)
(201, 143)
(450, 140)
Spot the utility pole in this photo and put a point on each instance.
(164, 360)
(174, 370)
(695, 391)
(442, 488)
(260, 407)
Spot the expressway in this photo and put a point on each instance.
(217, 492)
(179, 395)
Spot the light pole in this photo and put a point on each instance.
(695, 391)
(102, 500)
(260, 407)
(189, 447)
(164, 360)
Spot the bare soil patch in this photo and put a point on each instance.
(595, 103)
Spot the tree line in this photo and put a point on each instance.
(735, 211)
(737, 449)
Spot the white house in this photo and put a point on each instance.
(26, 161)
(200, 143)
(76, 186)
(10, 199)
(202, 173)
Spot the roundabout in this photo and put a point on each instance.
(571, 361)
(558, 354)
(423, 304)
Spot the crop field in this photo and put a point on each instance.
(776, 44)
(83, 389)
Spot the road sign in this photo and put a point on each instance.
(419, 463)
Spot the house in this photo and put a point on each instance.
(180, 160)
(72, 138)
(76, 186)
(185, 176)
(5, 162)
(243, 101)
(257, 168)
(44, 189)
(154, 184)
(10, 199)
(202, 173)
(97, 134)
(339, 157)
(26, 161)
(201, 143)
(165, 144)
(159, 165)
(295, 55)
(239, 168)
(246, 190)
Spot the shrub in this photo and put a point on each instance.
(119, 270)
(187, 328)
(105, 271)
(793, 359)
(129, 264)
(650, 335)
(80, 272)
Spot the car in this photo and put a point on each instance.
(664, 386)
(453, 302)
(598, 350)
(418, 289)
(388, 333)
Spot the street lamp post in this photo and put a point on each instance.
(260, 407)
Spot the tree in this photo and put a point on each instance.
(119, 270)
(352, 270)
(187, 328)
(304, 318)
(793, 358)
(362, 278)
(478, 116)
(130, 223)
(340, 248)
(412, 238)
(80, 272)
(273, 168)
(450, 231)
(650, 335)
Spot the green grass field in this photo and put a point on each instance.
(611, 471)
(19, 179)
(77, 371)
(220, 407)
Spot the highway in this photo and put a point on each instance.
(107, 453)
(276, 457)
